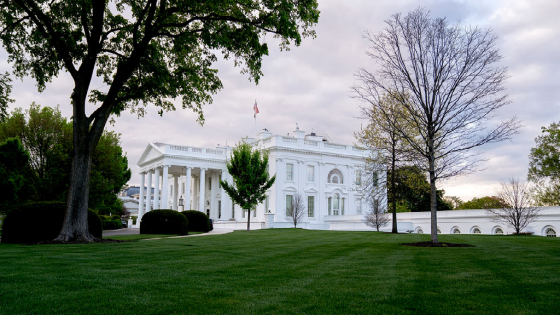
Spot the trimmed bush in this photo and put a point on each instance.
(41, 221)
(164, 222)
(112, 224)
(198, 221)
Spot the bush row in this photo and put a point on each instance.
(171, 222)
(112, 224)
(41, 221)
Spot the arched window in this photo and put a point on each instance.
(550, 232)
(455, 230)
(476, 231)
(438, 230)
(420, 231)
(499, 231)
(335, 177)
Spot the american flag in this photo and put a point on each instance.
(255, 109)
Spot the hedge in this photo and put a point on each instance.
(164, 221)
(198, 221)
(112, 224)
(41, 221)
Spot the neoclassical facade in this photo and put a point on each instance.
(327, 175)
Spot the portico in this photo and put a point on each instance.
(184, 178)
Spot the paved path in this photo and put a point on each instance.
(131, 231)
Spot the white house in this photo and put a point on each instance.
(326, 174)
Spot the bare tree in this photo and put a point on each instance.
(455, 88)
(296, 211)
(376, 217)
(518, 210)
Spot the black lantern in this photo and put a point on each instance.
(181, 201)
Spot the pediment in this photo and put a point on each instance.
(151, 152)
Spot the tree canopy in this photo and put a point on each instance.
(145, 52)
(47, 136)
(249, 169)
(15, 184)
(544, 166)
(487, 202)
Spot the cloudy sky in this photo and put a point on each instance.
(310, 85)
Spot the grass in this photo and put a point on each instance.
(285, 271)
(137, 237)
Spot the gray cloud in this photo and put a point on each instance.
(310, 85)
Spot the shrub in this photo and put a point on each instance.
(198, 221)
(116, 217)
(41, 221)
(164, 222)
(112, 224)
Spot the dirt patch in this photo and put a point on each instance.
(440, 244)
(96, 241)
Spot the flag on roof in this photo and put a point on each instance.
(255, 109)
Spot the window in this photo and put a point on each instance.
(438, 231)
(171, 190)
(266, 204)
(183, 190)
(476, 231)
(310, 206)
(219, 209)
(255, 212)
(330, 205)
(376, 206)
(336, 205)
(233, 210)
(499, 231)
(310, 173)
(420, 231)
(209, 183)
(243, 213)
(335, 177)
(289, 171)
(550, 232)
(358, 177)
(375, 180)
(289, 199)
(358, 206)
(456, 231)
(342, 207)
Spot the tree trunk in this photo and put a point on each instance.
(248, 220)
(433, 196)
(393, 195)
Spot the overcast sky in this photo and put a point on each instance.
(310, 85)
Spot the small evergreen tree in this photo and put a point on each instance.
(250, 177)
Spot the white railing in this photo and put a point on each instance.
(213, 151)
(335, 146)
(178, 148)
(199, 150)
(289, 139)
(311, 142)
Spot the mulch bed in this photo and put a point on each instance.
(440, 244)
(105, 241)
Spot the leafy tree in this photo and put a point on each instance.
(487, 202)
(412, 191)
(15, 186)
(48, 137)
(455, 84)
(544, 166)
(146, 52)
(251, 180)
(5, 89)
(388, 147)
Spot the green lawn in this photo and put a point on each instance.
(137, 237)
(287, 271)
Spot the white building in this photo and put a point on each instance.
(326, 174)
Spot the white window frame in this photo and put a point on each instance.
(291, 171)
(311, 173)
(358, 205)
(311, 210)
(288, 206)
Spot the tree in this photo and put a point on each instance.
(518, 210)
(15, 186)
(388, 147)
(251, 180)
(454, 86)
(296, 211)
(376, 217)
(487, 202)
(5, 90)
(544, 166)
(146, 52)
(47, 136)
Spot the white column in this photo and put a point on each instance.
(175, 190)
(149, 193)
(202, 190)
(164, 187)
(188, 189)
(141, 199)
(213, 199)
(157, 181)
(195, 193)
(226, 206)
